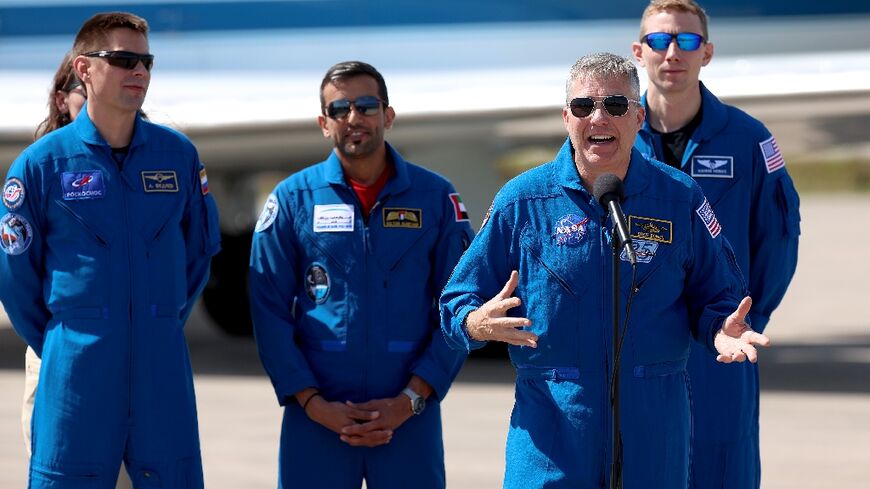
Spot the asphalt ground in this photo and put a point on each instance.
(815, 422)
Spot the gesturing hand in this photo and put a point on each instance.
(734, 341)
(490, 321)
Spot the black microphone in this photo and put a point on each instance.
(609, 192)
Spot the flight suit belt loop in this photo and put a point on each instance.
(548, 373)
(659, 369)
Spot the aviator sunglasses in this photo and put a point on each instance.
(687, 41)
(615, 105)
(123, 59)
(365, 105)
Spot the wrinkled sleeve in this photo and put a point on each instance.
(440, 364)
(202, 237)
(22, 261)
(714, 283)
(273, 281)
(773, 237)
(480, 275)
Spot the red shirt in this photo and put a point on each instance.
(368, 194)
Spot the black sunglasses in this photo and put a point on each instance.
(615, 105)
(365, 105)
(123, 59)
(687, 41)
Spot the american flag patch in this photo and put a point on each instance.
(772, 157)
(709, 217)
(203, 180)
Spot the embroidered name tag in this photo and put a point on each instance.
(713, 166)
(159, 181)
(333, 218)
(82, 185)
(651, 229)
(403, 218)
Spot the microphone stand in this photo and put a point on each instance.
(616, 438)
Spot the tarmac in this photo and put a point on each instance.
(815, 402)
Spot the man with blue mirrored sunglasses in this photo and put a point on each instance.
(736, 161)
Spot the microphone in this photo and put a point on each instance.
(609, 192)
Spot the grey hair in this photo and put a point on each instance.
(606, 66)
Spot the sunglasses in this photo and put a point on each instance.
(366, 105)
(687, 41)
(123, 59)
(615, 105)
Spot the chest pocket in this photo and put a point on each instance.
(571, 266)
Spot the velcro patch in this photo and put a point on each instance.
(650, 228)
(82, 185)
(773, 159)
(333, 218)
(712, 166)
(643, 248)
(13, 193)
(203, 179)
(159, 181)
(709, 217)
(16, 234)
(395, 217)
(459, 208)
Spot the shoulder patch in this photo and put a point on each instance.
(773, 159)
(712, 166)
(705, 212)
(268, 214)
(16, 234)
(461, 213)
(203, 179)
(395, 217)
(13, 193)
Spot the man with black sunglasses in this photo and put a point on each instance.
(111, 230)
(348, 259)
(544, 258)
(736, 161)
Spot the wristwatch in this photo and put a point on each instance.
(418, 403)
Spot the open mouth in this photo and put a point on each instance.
(600, 139)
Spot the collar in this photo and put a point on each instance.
(399, 182)
(715, 116)
(89, 133)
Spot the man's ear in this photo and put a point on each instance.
(321, 121)
(80, 66)
(708, 53)
(389, 117)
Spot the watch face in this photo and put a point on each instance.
(418, 404)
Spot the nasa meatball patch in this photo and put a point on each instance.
(317, 283)
(16, 234)
(13, 193)
(570, 230)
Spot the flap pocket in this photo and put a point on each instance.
(102, 239)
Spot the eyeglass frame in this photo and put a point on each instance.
(598, 102)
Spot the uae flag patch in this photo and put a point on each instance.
(459, 208)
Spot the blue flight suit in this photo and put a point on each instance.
(99, 271)
(732, 157)
(549, 228)
(348, 304)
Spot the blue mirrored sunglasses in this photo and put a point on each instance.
(687, 41)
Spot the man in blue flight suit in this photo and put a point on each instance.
(548, 239)
(108, 230)
(348, 259)
(737, 163)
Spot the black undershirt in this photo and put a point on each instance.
(674, 143)
(119, 155)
